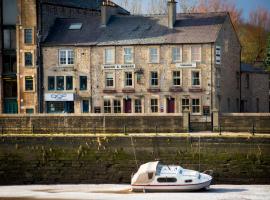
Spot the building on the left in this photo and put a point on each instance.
(23, 25)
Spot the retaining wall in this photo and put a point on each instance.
(52, 160)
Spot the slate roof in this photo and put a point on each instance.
(84, 4)
(252, 69)
(131, 30)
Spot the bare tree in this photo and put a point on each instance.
(157, 7)
(133, 6)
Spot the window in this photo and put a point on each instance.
(28, 38)
(109, 80)
(176, 78)
(66, 57)
(83, 82)
(29, 110)
(51, 83)
(257, 105)
(195, 78)
(107, 106)
(195, 105)
(117, 106)
(167, 180)
(176, 54)
(9, 39)
(153, 55)
(109, 56)
(154, 79)
(69, 83)
(185, 104)
(75, 26)
(138, 106)
(247, 81)
(128, 55)
(28, 59)
(60, 82)
(154, 105)
(128, 79)
(195, 53)
(85, 106)
(29, 83)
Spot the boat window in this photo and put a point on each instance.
(167, 180)
(150, 175)
(188, 181)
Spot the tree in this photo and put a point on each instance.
(134, 7)
(157, 7)
(204, 6)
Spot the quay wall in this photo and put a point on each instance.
(90, 159)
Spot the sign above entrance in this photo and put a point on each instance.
(59, 97)
(119, 66)
(186, 65)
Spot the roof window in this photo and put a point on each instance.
(75, 26)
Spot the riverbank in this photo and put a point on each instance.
(115, 192)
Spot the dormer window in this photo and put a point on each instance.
(75, 26)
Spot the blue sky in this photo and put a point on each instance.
(246, 5)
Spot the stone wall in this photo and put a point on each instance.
(55, 160)
(242, 122)
(92, 124)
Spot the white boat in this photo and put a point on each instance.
(153, 176)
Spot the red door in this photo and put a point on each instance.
(170, 105)
(127, 105)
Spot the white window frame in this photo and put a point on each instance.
(117, 106)
(113, 77)
(67, 53)
(192, 105)
(112, 59)
(136, 106)
(127, 55)
(156, 55)
(186, 105)
(200, 78)
(110, 106)
(200, 53)
(173, 54)
(125, 79)
(179, 77)
(155, 78)
(157, 105)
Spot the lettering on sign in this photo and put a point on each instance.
(186, 65)
(119, 66)
(59, 97)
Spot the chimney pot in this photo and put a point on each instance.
(171, 13)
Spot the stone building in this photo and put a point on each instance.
(23, 25)
(143, 64)
(254, 89)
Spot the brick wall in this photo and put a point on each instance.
(53, 160)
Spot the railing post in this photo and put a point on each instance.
(253, 129)
(156, 129)
(2, 130)
(94, 130)
(32, 128)
(125, 131)
(219, 129)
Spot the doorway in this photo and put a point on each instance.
(170, 105)
(127, 105)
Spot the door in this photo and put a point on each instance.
(170, 105)
(127, 105)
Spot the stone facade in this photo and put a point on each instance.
(254, 92)
(226, 76)
(26, 57)
(80, 68)
(141, 87)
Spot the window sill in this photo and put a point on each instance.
(29, 91)
(176, 88)
(195, 89)
(128, 90)
(153, 90)
(109, 91)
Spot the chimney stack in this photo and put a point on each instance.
(171, 13)
(108, 9)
